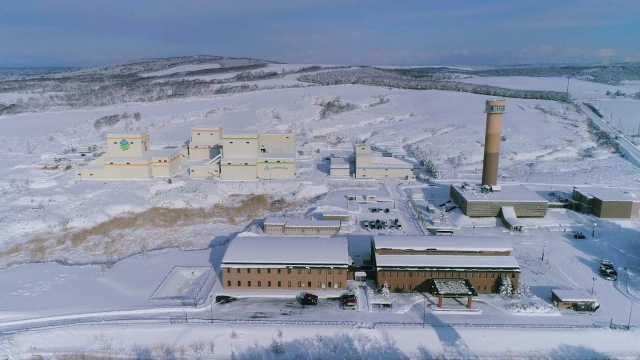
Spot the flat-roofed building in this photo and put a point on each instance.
(577, 300)
(339, 167)
(286, 263)
(606, 202)
(240, 146)
(378, 167)
(410, 262)
(205, 142)
(277, 143)
(128, 156)
(335, 215)
(280, 226)
(412, 272)
(477, 203)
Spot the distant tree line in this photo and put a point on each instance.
(380, 77)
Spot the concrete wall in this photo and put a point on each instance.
(165, 167)
(339, 171)
(296, 278)
(202, 152)
(238, 172)
(278, 168)
(485, 282)
(491, 208)
(240, 146)
(277, 143)
(208, 135)
(612, 209)
(137, 145)
(204, 171)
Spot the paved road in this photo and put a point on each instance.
(629, 151)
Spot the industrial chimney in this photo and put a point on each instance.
(494, 110)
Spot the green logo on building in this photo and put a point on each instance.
(124, 145)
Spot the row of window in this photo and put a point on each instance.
(493, 288)
(430, 251)
(259, 271)
(442, 274)
(320, 284)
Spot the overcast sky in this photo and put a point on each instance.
(446, 32)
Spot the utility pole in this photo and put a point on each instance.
(629, 322)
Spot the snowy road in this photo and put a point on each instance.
(630, 151)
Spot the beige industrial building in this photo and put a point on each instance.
(213, 154)
(411, 263)
(128, 157)
(339, 167)
(335, 215)
(286, 263)
(576, 300)
(281, 226)
(606, 202)
(258, 156)
(488, 202)
(373, 165)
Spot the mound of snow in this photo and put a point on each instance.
(309, 191)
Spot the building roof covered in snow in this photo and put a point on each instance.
(572, 295)
(517, 193)
(448, 262)
(602, 193)
(442, 243)
(165, 152)
(287, 251)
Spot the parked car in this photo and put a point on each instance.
(374, 210)
(398, 225)
(606, 263)
(579, 235)
(365, 224)
(308, 299)
(386, 210)
(609, 274)
(348, 297)
(384, 224)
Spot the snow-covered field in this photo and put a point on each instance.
(46, 215)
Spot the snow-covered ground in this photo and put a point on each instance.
(45, 216)
(181, 68)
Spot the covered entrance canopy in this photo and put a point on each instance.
(452, 289)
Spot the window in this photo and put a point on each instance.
(513, 276)
(229, 283)
(340, 284)
(248, 271)
(263, 151)
(389, 274)
(288, 283)
(230, 142)
(339, 271)
(410, 286)
(115, 142)
(486, 275)
(329, 271)
(279, 284)
(279, 271)
(459, 275)
(309, 271)
(288, 271)
(128, 163)
(402, 286)
(269, 283)
(424, 274)
(268, 271)
(410, 274)
(382, 274)
(258, 271)
(493, 275)
(299, 271)
(299, 283)
(319, 271)
(239, 283)
(247, 142)
(309, 284)
(238, 271)
(228, 270)
(403, 273)
(249, 283)
(319, 284)
(472, 274)
(329, 284)
(485, 288)
(277, 160)
(198, 133)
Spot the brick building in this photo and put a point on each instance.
(287, 263)
(408, 263)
